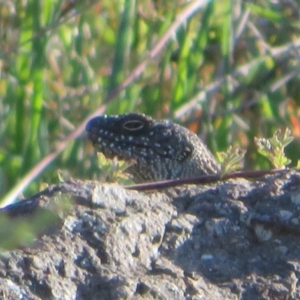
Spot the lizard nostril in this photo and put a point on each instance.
(93, 124)
(89, 125)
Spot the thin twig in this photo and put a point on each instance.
(203, 179)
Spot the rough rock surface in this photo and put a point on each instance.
(237, 239)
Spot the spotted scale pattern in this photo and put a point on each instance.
(160, 149)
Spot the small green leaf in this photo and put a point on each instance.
(273, 148)
(231, 159)
(112, 170)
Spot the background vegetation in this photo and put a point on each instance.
(228, 70)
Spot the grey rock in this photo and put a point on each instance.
(228, 240)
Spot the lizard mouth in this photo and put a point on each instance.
(111, 147)
(104, 145)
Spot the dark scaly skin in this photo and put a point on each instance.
(160, 149)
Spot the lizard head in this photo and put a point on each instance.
(140, 138)
(134, 136)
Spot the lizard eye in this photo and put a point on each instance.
(133, 125)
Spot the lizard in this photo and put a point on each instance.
(160, 149)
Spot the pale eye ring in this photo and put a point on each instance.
(133, 125)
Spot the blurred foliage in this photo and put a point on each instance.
(19, 230)
(229, 72)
